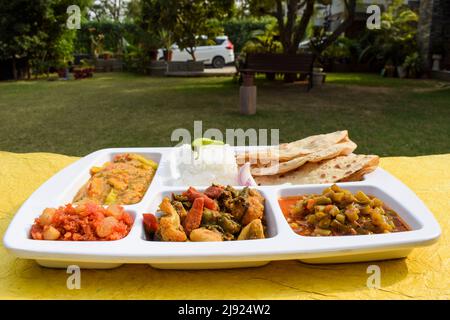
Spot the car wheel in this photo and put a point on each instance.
(218, 62)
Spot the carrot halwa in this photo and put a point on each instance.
(85, 222)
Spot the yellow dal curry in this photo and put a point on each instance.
(121, 181)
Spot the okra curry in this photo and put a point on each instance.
(338, 212)
(124, 180)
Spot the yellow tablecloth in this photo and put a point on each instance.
(423, 275)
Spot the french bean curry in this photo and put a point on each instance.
(338, 212)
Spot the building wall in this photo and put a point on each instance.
(434, 31)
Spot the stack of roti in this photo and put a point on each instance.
(324, 158)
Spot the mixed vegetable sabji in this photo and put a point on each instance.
(339, 212)
(218, 214)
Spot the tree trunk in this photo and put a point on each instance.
(191, 51)
(292, 32)
(28, 70)
(300, 28)
(14, 67)
(350, 8)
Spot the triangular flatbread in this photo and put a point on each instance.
(327, 171)
(289, 151)
(329, 152)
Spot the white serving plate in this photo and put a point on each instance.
(282, 243)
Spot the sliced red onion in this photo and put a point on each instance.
(245, 176)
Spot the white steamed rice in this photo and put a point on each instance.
(211, 164)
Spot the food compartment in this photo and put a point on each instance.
(202, 166)
(271, 229)
(305, 227)
(93, 223)
(75, 186)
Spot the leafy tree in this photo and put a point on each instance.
(133, 10)
(194, 19)
(292, 27)
(397, 37)
(155, 17)
(114, 10)
(184, 20)
(240, 30)
(113, 33)
(35, 30)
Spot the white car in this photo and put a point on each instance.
(217, 55)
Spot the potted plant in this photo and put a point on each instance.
(436, 62)
(413, 65)
(84, 70)
(318, 76)
(401, 71)
(438, 51)
(166, 38)
(149, 45)
(153, 55)
(389, 69)
(62, 70)
(106, 55)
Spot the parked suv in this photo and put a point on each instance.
(218, 55)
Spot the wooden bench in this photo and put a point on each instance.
(270, 63)
(278, 63)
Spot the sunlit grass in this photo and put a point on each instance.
(118, 109)
(373, 79)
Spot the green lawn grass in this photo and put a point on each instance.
(384, 116)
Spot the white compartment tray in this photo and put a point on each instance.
(282, 243)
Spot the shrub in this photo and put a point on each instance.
(413, 65)
(343, 50)
(113, 33)
(264, 41)
(397, 37)
(242, 30)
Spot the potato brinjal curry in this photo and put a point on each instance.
(218, 214)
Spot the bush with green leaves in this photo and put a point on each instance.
(343, 50)
(35, 31)
(239, 31)
(397, 37)
(112, 31)
(264, 40)
(413, 65)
